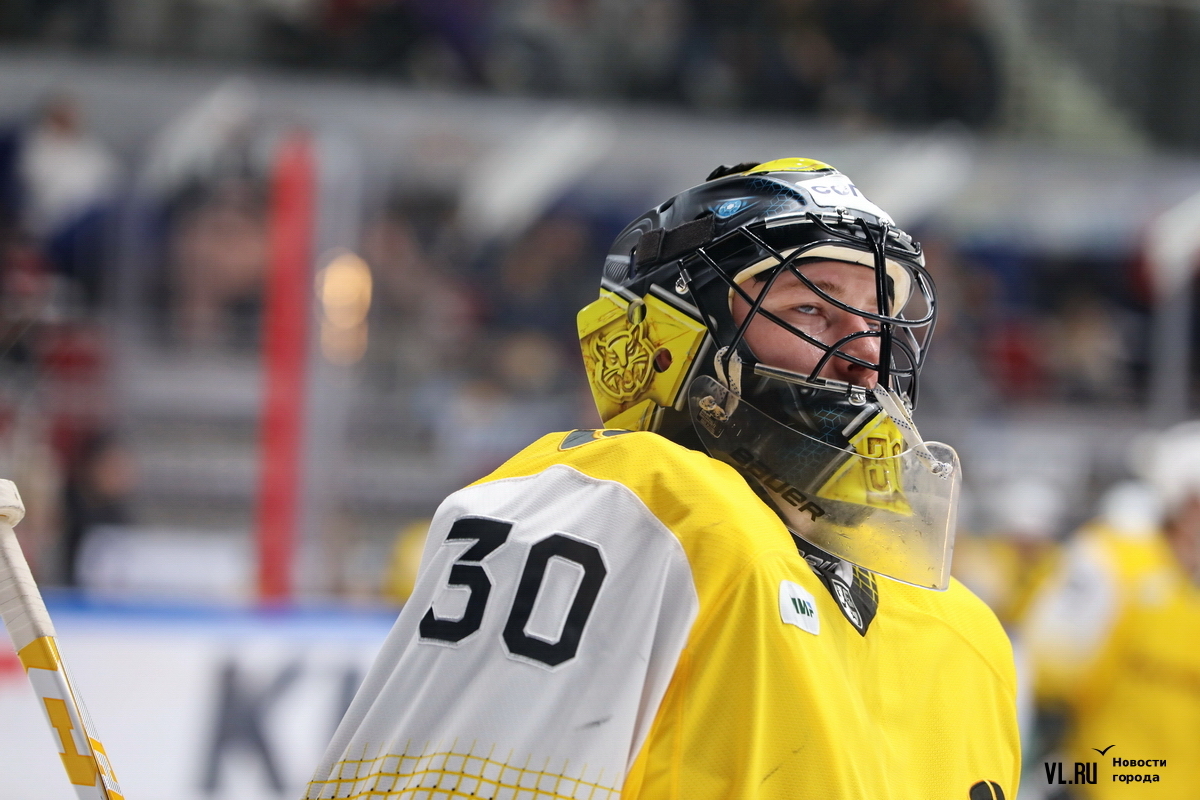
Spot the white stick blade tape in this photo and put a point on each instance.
(11, 507)
(21, 605)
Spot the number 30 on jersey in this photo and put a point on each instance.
(468, 573)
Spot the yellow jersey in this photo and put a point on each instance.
(612, 615)
(1116, 641)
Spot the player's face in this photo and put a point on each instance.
(793, 302)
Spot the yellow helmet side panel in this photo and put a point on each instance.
(635, 352)
(639, 417)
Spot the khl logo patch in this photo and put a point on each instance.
(798, 607)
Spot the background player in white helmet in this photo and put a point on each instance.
(685, 603)
(1018, 548)
(1114, 636)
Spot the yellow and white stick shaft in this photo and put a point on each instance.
(28, 623)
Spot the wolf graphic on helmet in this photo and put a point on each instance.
(624, 361)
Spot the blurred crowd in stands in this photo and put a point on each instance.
(472, 343)
(59, 187)
(898, 62)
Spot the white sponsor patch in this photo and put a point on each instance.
(798, 607)
(837, 190)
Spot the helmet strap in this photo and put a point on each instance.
(728, 366)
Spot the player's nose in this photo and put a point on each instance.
(863, 347)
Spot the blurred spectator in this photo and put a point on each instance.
(203, 185)
(97, 492)
(425, 316)
(961, 73)
(218, 256)
(543, 279)
(10, 177)
(1015, 357)
(26, 295)
(804, 62)
(1113, 637)
(546, 47)
(1087, 350)
(74, 383)
(723, 53)
(462, 29)
(642, 43)
(521, 389)
(81, 22)
(875, 44)
(68, 183)
(953, 381)
(378, 36)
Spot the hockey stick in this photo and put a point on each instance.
(32, 633)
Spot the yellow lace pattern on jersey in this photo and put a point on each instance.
(447, 774)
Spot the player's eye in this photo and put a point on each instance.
(813, 318)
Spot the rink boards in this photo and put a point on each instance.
(193, 702)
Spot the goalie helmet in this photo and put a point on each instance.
(666, 349)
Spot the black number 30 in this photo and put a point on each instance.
(468, 572)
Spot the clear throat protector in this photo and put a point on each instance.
(857, 481)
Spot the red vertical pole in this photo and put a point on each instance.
(285, 356)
